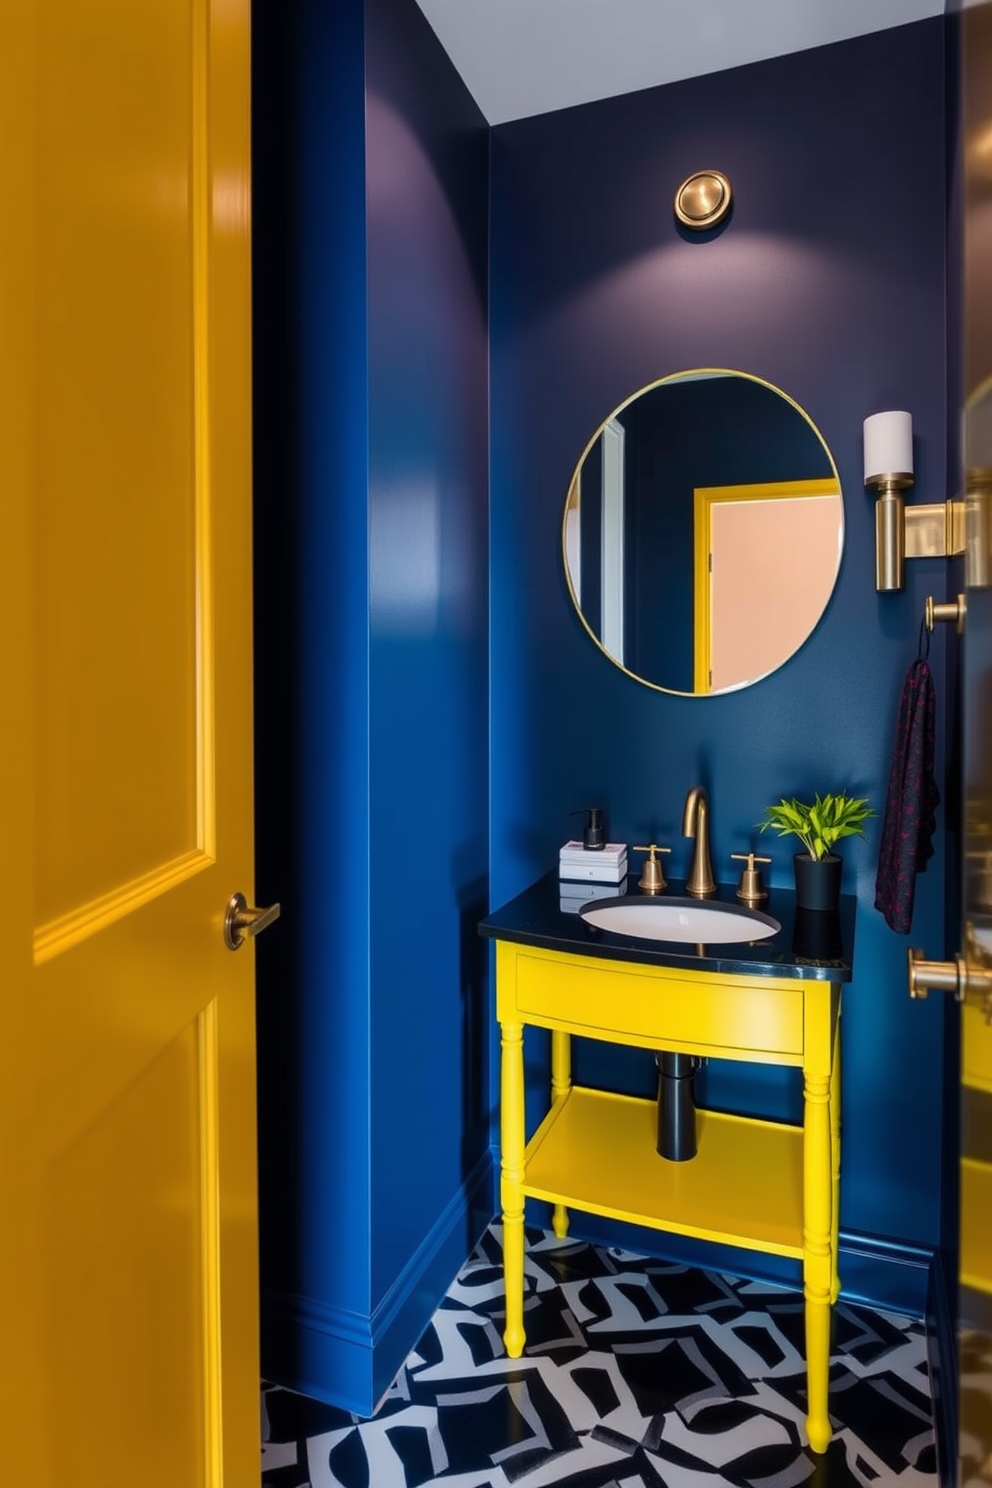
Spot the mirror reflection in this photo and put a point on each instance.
(703, 532)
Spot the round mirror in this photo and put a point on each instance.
(703, 531)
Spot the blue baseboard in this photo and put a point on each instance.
(889, 1274)
(350, 1359)
(942, 1360)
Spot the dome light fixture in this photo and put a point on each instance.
(703, 199)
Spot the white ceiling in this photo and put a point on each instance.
(522, 57)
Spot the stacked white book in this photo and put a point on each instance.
(605, 865)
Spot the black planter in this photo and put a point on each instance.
(818, 881)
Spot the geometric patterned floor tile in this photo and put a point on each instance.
(638, 1373)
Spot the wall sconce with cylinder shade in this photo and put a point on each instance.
(901, 532)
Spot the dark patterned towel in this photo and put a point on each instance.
(913, 797)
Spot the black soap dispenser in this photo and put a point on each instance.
(594, 836)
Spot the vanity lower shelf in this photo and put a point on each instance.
(595, 1151)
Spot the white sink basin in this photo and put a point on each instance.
(695, 921)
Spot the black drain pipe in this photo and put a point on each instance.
(676, 1106)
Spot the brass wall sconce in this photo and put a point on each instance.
(703, 200)
(932, 531)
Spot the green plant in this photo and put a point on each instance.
(818, 826)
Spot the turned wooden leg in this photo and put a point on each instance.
(511, 1183)
(817, 1255)
(561, 1084)
(835, 1166)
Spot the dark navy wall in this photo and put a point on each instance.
(370, 215)
(311, 766)
(817, 287)
(427, 214)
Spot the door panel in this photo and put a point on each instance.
(742, 534)
(975, 1262)
(975, 1289)
(750, 574)
(128, 1212)
(115, 339)
(130, 1164)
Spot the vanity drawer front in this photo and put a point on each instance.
(617, 1001)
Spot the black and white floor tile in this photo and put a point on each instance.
(637, 1374)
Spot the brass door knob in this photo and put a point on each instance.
(242, 919)
(954, 976)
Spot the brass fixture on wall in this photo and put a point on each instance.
(953, 609)
(935, 530)
(703, 199)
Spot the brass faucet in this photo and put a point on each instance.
(695, 823)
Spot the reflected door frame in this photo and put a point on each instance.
(707, 500)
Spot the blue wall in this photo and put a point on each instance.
(829, 282)
(427, 203)
(370, 209)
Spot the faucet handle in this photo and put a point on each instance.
(652, 879)
(750, 889)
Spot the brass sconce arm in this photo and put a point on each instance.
(890, 530)
(936, 530)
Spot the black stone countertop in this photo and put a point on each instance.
(812, 945)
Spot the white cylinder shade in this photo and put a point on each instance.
(888, 445)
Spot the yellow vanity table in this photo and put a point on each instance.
(760, 1185)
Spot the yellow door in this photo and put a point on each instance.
(975, 1289)
(128, 1267)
